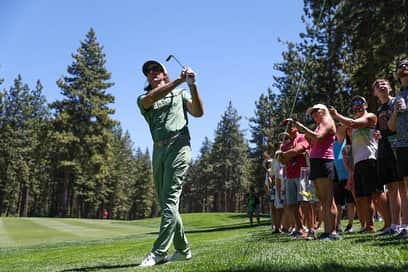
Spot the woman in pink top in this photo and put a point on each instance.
(322, 164)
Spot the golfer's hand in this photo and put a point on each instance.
(190, 76)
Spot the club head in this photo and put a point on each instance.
(169, 57)
(175, 59)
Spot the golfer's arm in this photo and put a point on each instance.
(159, 92)
(195, 107)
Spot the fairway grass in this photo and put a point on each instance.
(219, 241)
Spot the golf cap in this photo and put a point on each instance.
(151, 63)
(316, 107)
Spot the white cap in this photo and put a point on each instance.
(316, 107)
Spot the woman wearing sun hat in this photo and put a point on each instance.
(322, 164)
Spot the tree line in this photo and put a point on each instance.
(70, 158)
(345, 46)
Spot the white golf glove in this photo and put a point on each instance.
(190, 78)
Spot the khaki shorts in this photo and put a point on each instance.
(298, 190)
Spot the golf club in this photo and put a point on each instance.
(172, 56)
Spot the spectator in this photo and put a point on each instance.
(364, 149)
(342, 196)
(399, 123)
(253, 205)
(386, 161)
(293, 156)
(322, 165)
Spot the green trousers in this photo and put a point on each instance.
(170, 165)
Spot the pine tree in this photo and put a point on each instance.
(121, 175)
(265, 128)
(84, 131)
(3, 144)
(37, 129)
(230, 162)
(23, 161)
(325, 56)
(204, 178)
(143, 194)
(17, 147)
(375, 36)
(199, 188)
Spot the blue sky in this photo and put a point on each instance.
(232, 45)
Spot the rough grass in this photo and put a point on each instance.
(220, 242)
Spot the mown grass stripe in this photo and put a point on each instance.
(27, 232)
(5, 239)
(68, 228)
(232, 249)
(107, 226)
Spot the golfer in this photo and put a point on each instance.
(165, 107)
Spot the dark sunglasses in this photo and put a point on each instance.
(154, 68)
(355, 110)
(357, 102)
(378, 84)
(403, 65)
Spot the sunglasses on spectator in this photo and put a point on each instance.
(358, 109)
(403, 65)
(378, 84)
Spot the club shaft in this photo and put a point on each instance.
(172, 56)
(182, 66)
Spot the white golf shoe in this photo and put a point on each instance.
(179, 256)
(153, 259)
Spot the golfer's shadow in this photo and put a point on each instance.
(101, 267)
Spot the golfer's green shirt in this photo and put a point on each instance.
(167, 117)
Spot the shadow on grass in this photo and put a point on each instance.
(103, 267)
(267, 236)
(244, 215)
(368, 239)
(223, 228)
(100, 267)
(381, 241)
(327, 267)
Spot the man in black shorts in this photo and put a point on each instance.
(364, 147)
(386, 161)
(399, 123)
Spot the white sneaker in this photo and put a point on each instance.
(153, 259)
(179, 256)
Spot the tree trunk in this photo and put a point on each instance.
(63, 206)
(225, 201)
(25, 202)
(1, 201)
(20, 199)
